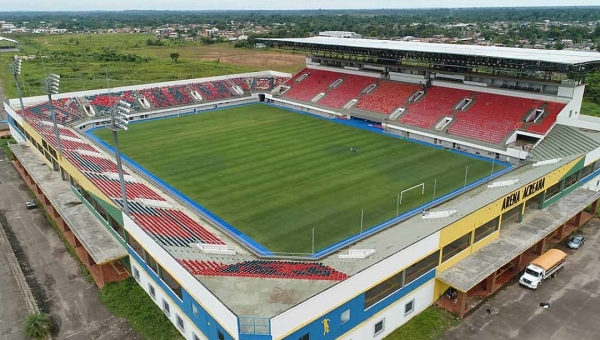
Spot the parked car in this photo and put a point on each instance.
(30, 205)
(576, 242)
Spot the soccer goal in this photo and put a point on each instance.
(409, 191)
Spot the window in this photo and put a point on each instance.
(569, 181)
(305, 337)
(136, 274)
(171, 282)
(409, 307)
(379, 327)
(220, 335)
(101, 211)
(151, 291)
(418, 269)
(151, 263)
(137, 248)
(166, 308)
(552, 191)
(586, 171)
(456, 247)
(513, 214)
(486, 229)
(194, 309)
(179, 322)
(345, 316)
(384, 289)
(115, 225)
(195, 337)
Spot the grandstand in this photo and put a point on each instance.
(359, 128)
(74, 110)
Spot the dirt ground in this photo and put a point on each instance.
(262, 60)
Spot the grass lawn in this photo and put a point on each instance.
(590, 108)
(93, 61)
(429, 325)
(276, 174)
(128, 300)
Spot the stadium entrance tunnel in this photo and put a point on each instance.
(103, 256)
(465, 285)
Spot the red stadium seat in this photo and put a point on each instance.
(387, 97)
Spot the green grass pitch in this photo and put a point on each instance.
(275, 174)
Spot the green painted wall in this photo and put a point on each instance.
(576, 168)
(106, 207)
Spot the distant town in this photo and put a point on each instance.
(535, 29)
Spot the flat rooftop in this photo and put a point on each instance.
(551, 56)
(265, 297)
(536, 225)
(98, 241)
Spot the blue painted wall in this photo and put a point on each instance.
(204, 321)
(357, 312)
(12, 123)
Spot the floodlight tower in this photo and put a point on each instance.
(15, 69)
(119, 118)
(51, 85)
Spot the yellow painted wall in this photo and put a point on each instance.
(479, 217)
(439, 289)
(38, 138)
(69, 168)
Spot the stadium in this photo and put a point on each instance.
(335, 203)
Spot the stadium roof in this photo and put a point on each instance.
(565, 57)
(10, 40)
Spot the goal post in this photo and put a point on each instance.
(422, 186)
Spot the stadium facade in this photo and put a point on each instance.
(212, 284)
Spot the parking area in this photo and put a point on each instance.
(573, 296)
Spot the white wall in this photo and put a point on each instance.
(461, 142)
(172, 111)
(593, 184)
(144, 280)
(15, 134)
(302, 107)
(495, 90)
(38, 99)
(286, 322)
(343, 70)
(393, 316)
(592, 156)
(226, 318)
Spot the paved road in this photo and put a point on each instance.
(574, 297)
(55, 276)
(13, 310)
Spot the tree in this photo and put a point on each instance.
(174, 56)
(37, 325)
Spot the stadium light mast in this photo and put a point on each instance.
(119, 119)
(15, 69)
(51, 85)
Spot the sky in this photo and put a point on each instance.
(87, 5)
